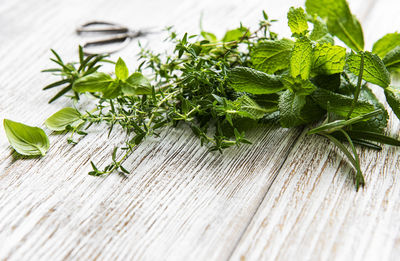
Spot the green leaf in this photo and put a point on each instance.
(271, 56)
(235, 34)
(243, 79)
(300, 62)
(26, 140)
(95, 82)
(392, 59)
(298, 86)
(136, 84)
(328, 59)
(297, 21)
(320, 32)
(209, 36)
(340, 104)
(63, 118)
(386, 44)
(340, 21)
(374, 70)
(297, 110)
(248, 108)
(121, 70)
(373, 136)
(328, 82)
(393, 98)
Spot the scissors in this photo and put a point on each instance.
(119, 37)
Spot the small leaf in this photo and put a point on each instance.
(235, 34)
(63, 118)
(136, 84)
(26, 140)
(392, 59)
(374, 70)
(328, 59)
(121, 70)
(300, 62)
(271, 56)
(386, 44)
(298, 86)
(245, 79)
(95, 82)
(393, 98)
(297, 20)
(209, 36)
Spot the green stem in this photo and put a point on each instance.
(358, 88)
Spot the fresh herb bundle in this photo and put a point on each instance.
(220, 87)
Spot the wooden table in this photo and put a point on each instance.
(286, 197)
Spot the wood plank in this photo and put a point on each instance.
(312, 211)
(181, 202)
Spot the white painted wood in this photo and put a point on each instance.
(312, 211)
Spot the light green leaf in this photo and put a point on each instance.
(209, 36)
(340, 21)
(320, 32)
(386, 44)
(95, 82)
(136, 84)
(340, 104)
(297, 21)
(393, 98)
(297, 110)
(235, 34)
(271, 56)
(64, 117)
(374, 70)
(392, 59)
(298, 86)
(121, 70)
(243, 79)
(300, 62)
(26, 140)
(246, 107)
(328, 59)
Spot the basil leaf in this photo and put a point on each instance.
(386, 44)
(63, 118)
(374, 70)
(95, 82)
(121, 71)
(340, 21)
(340, 104)
(271, 56)
(328, 59)
(26, 140)
(136, 84)
(243, 79)
(300, 62)
(393, 98)
(297, 21)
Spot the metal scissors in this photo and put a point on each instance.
(119, 37)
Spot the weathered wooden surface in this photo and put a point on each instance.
(285, 197)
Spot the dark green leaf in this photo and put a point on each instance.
(26, 140)
(245, 79)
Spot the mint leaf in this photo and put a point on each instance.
(95, 82)
(340, 104)
(298, 86)
(374, 70)
(297, 21)
(246, 107)
(236, 34)
(328, 59)
(136, 84)
(271, 56)
(63, 118)
(26, 140)
(340, 21)
(320, 32)
(121, 71)
(386, 44)
(392, 59)
(297, 110)
(243, 79)
(300, 62)
(393, 98)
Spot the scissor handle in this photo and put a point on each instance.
(113, 28)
